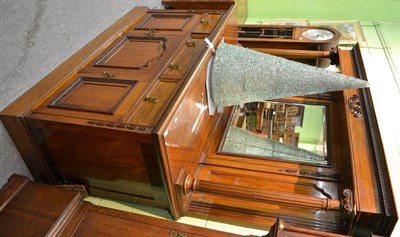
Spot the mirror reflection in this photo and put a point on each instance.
(279, 129)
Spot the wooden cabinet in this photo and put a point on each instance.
(34, 209)
(101, 117)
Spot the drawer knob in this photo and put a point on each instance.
(174, 66)
(151, 99)
(108, 75)
(354, 104)
(205, 21)
(190, 43)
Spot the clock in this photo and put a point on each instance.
(313, 45)
(318, 34)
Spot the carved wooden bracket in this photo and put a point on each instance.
(354, 104)
(348, 204)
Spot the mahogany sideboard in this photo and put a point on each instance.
(100, 119)
(127, 116)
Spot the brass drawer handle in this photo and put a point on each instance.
(190, 43)
(354, 104)
(205, 21)
(175, 233)
(174, 66)
(108, 75)
(151, 32)
(151, 99)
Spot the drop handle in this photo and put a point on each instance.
(151, 99)
(204, 21)
(175, 233)
(190, 43)
(150, 32)
(174, 66)
(108, 75)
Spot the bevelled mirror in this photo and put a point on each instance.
(284, 130)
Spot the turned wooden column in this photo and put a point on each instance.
(266, 196)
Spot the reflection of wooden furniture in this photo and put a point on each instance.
(34, 209)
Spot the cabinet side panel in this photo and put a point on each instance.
(109, 162)
(20, 134)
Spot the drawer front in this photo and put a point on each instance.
(207, 23)
(152, 103)
(184, 59)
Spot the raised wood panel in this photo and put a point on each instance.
(94, 94)
(159, 21)
(136, 54)
(167, 22)
(93, 97)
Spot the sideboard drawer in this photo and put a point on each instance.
(207, 23)
(184, 59)
(152, 103)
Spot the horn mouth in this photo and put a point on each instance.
(239, 75)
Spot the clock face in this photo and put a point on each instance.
(318, 34)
